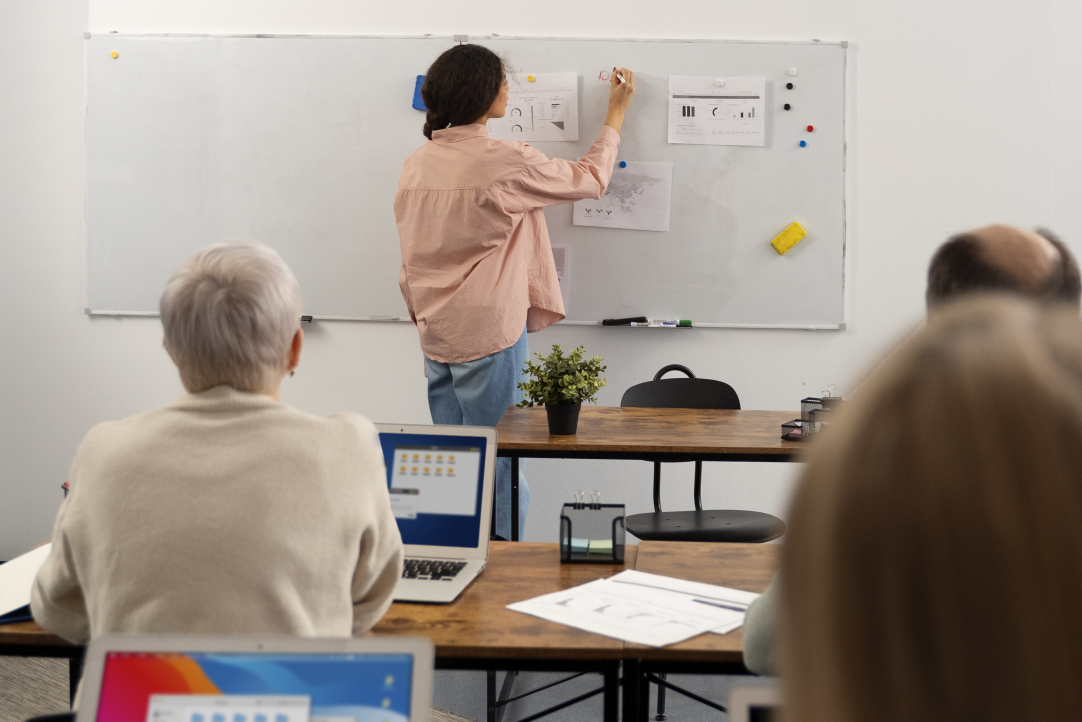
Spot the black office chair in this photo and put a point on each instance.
(749, 527)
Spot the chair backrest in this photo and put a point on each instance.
(689, 393)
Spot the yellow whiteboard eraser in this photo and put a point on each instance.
(788, 238)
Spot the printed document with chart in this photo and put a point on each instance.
(546, 108)
(643, 608)
(707, 110)
(637, 198)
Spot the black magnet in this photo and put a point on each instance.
(787, 106)
(788, 86)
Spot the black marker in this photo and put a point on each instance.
(624, 321)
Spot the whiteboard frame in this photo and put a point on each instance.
(463, 38)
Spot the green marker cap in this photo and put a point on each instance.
(685, 322)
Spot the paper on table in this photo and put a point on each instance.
(17, 578)
(638, 198)
(545, 109)
(634, 607)
(695, 590)
(704, 113)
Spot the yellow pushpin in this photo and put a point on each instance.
(114, 54)
(530, 78)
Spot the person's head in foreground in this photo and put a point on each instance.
(933, 564)
(1000, 258)
(231, 315)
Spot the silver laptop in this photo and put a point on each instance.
(166, 678)
(441, 480)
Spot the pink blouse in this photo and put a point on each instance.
(477, 266)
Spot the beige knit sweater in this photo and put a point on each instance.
(222, 513)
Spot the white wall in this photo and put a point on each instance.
(962, 113)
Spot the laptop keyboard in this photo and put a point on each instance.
(431, 569)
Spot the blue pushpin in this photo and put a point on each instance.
(623, 164)
(803, 144)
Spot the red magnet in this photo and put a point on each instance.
(811, 128)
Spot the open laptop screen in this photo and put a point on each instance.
(240, 687)
(436, 483)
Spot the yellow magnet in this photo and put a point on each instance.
(530, 78)
(788, 238)
(114, 54)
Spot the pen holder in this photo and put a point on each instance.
(592, 534)
(807, 406)
(814, 416)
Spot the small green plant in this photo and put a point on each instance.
(562, 379)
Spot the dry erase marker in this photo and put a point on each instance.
(619, 76)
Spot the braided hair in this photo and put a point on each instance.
(460, 86)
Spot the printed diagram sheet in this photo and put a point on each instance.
(638, 198)
(561, 255)
(643, 608)
(546, 108)
(703, 112)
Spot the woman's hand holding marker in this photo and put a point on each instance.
(621, 88)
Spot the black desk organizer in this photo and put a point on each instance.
(814, 417)
(583, 524)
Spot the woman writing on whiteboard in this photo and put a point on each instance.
(477, 267)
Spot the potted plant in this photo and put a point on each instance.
(562, 383)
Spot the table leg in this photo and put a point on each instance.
(636, 692)
(491, 695)
(75, 673)
(612, 693)
(514, 499)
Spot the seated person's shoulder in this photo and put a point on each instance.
(346, 425)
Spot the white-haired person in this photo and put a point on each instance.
(225, 512)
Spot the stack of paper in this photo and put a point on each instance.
(17, 578)
(643, 608)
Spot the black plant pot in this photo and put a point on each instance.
(563, 418)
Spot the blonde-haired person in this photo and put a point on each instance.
(226, 511)
(933, 566)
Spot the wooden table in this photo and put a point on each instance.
(616, 432)
(475, 632)
(478, 632)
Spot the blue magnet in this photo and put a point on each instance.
(418, 104)
(803, 144)
(623, 164)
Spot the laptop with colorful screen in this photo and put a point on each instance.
(164, 678)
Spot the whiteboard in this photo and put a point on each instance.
(298, 142)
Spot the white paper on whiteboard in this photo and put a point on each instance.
(562, 256)
(17, 578)
(545, 109)
(704, 113)
(637, 198)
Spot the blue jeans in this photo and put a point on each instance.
(476, 393)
